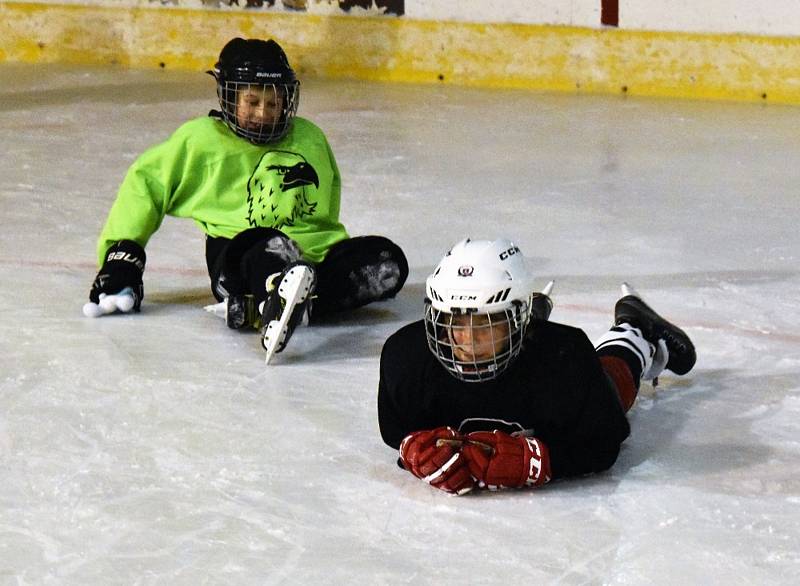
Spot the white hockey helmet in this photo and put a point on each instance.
(477, 307)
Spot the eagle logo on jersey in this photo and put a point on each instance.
(279, 190)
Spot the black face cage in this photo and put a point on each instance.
(439, 328)
(258, 130)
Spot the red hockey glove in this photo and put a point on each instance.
(513, 462)
(433, 457)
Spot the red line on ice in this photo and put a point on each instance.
(90, 267)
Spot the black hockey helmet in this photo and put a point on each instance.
(261, 69)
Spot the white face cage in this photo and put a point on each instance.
(258, 112)
(476, 347)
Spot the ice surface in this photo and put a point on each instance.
(158, 448)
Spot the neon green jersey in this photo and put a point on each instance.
(226, 185)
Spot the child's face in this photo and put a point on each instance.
(479, 338)
(258, 106)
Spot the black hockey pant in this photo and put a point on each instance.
(355, 272)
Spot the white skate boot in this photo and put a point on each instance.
(286, 305)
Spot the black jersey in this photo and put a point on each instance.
(556, 390)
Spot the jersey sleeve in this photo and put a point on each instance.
(590, 440)
(145, 195)
(403, 404)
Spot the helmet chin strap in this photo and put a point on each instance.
(463, 369)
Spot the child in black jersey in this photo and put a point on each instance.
(486, 393)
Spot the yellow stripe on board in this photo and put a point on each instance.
(736, 67)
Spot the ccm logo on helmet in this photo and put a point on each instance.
(463, 297)
(510, 252)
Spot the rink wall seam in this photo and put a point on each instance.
(539, 57)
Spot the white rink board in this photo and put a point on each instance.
(773, 18)
(570, 13)
(158, 448)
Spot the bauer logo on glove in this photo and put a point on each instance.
(118, 286)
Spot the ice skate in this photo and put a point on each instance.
(542, 303)
(632, 310)
(241, 311)
(286, 305)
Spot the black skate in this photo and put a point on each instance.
(286, 305)
(631, 309)
(541, 303)
(240, 311)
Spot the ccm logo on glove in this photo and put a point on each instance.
(514, 462)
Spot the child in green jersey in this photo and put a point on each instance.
(263, 185)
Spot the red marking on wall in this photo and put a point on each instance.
(609, 12)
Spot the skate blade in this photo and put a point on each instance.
(628, 290)
(293, 288)
(273, 335)
(217, 309)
